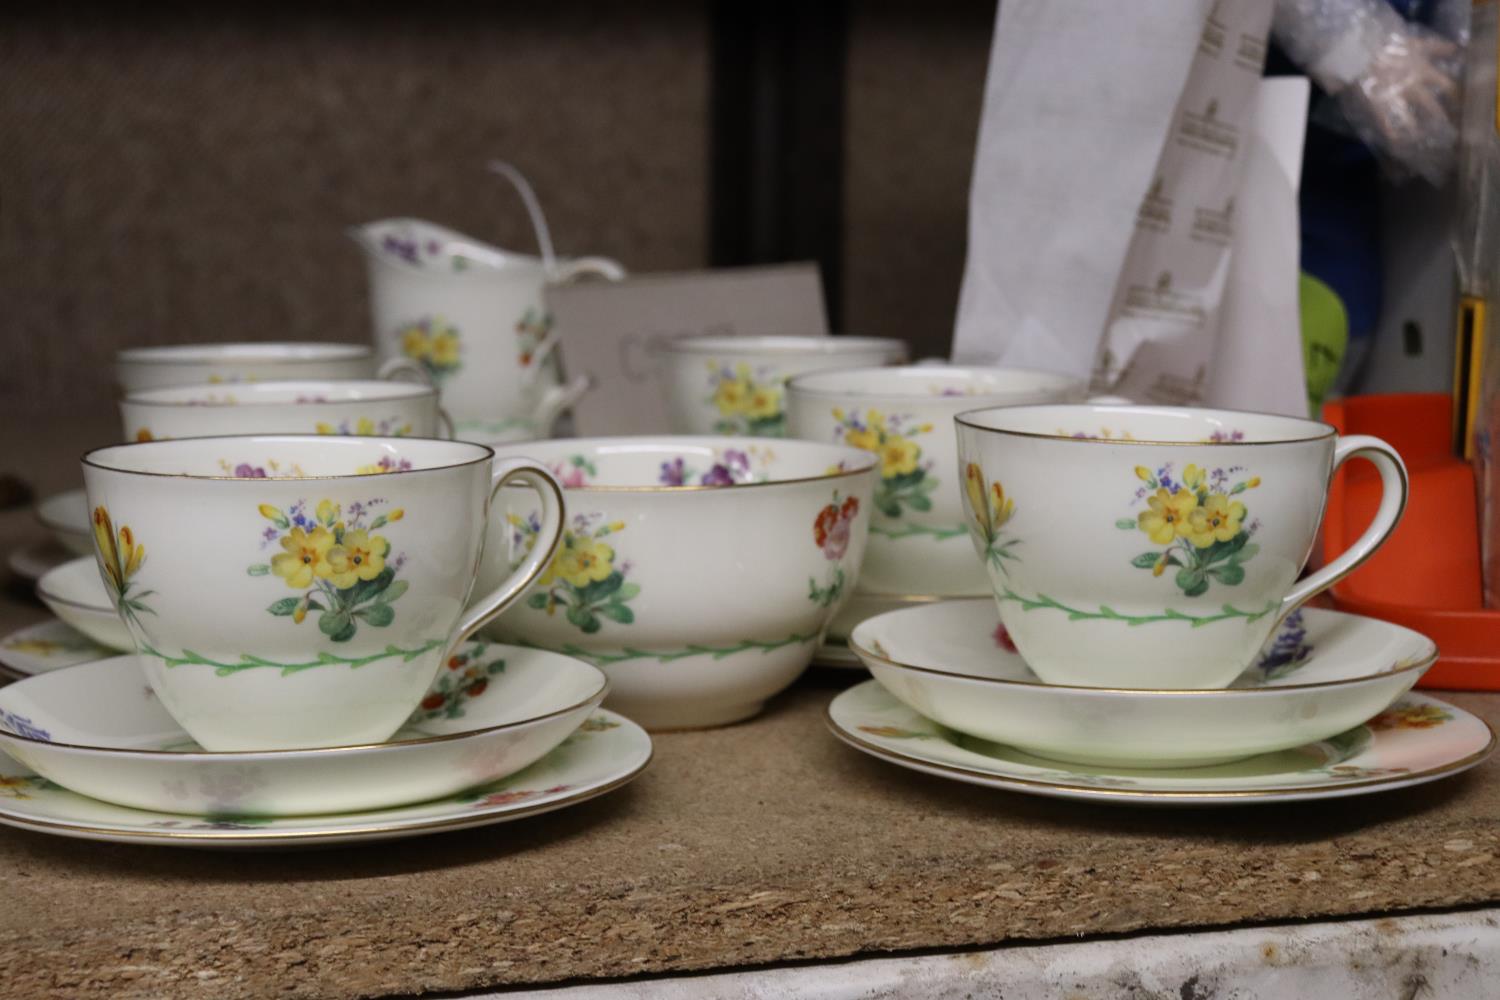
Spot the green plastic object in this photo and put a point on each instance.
(1325, 338)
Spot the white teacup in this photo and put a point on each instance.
(1154, 547)
(313, 607)
(141, 368)
(475, 318)
(720, 384)
(367, 407)
(918, 541)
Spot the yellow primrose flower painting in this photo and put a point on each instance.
(433, 342)
(1197, 521)
(584, 579)
(332, 554)
(906, 479)
(747, 402)
(989, 509)
(122, 556)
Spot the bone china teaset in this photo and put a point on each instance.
(351, 616)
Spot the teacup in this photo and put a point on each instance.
(700, 574)
(1154, 547)
(312, 607)
(720, 384)
(348, 406)
(475, 318)
(141, 368)
(918, 542)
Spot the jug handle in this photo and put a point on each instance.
(446, 426)
(392, 370)
(558, 398)
(562, 274)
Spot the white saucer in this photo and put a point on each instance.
(607, 751)
(75, 593)
(837, 654)
(66, 515)
(32, 561)
(1323, 673)
(98, 729)
(48, 645)
(1419, 739)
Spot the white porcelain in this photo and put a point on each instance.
(721, 384)
(918, 542)
(311, 607)
(140, 368)
(47, 645)
(1154, 547)
(475, 317)
(861, 606)
(1322, 673)
(98, 729)
(605, 753)
(348, 406)
(31, 562)
(66, 515)
(699, 601)
(1417, 740)
(77, 596)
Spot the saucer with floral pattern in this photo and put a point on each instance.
(601, 755)
(47, 645)
(99, 730)
(1416, 740)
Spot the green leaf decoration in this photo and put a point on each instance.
(377, 614)
(259, 569)
(538, 601)
(1127, 524)
(888, 506)
(617, 612)
(285, 606)
(920, 502)
(1145, 560)
(627, 591)
(395, 590)
(600, 590)
(1230, 574)
(363, 590)
(337, 625)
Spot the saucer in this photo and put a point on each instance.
(76, 594)
(1323, 672)
(861, 606)
(1417, 740)
(606, 752)
(99, 730)
(30, 562)
(66, 515)
(48, 645)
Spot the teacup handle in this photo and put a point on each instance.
(1393, 484)
(392, 370)
(561, 274)
(527, 472)
(558, 398)
(445, 425)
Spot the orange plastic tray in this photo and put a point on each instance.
(1427, 575)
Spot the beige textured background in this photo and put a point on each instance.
(187, 174)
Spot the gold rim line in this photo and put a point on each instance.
(1428, 659)
(591, 702)
(294, 438)
(731, 487)
(798, 383)
(1328, 429)
(270, 836)
(808, 346)
(343, 352)
(894, 756)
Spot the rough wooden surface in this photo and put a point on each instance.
(764, 842)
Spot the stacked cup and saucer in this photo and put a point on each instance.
(301, 609)
(919, 550)
(1146, 640)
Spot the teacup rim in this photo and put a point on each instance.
(256, 351)
(869, 460)
(800, 382)
(1425, 662)
(777, 344)
(1327, 430)
(599, 694)
(408, 390)
(334, 440)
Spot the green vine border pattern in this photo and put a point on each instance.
(629, 653)
(1105, 613)
(918, 530)
(249, 662)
